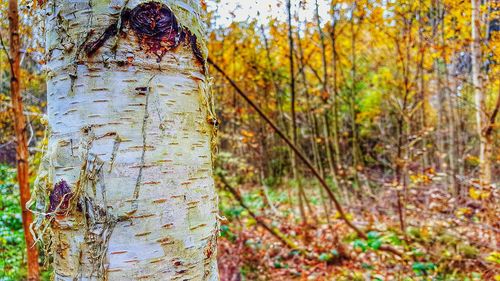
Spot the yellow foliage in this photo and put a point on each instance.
(477, 194)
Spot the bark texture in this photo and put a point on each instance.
(128, 171)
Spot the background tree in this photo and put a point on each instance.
(20, 126)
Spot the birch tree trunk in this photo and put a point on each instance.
(485, 144)
(128, 171)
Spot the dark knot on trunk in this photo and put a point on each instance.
(157, 28)
(154, 19)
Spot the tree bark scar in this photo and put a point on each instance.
(111, 30)
(155, 20)
(196, 50)
(156, 27)
(60, 198)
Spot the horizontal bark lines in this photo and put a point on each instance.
(130, 136)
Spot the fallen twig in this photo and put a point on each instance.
(274, 231)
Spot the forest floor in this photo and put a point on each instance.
(444, 238)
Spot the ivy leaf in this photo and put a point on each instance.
(360, 244)
(325, 257)
(375, 244)
(373, 235)
(422, 268)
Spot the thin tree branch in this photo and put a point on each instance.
(7, 54)
(493, 116)
(304, 159)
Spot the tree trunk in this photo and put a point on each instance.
(326, 98)
(422, 88)
(481, 118)
(21, 141)
(130, 149)
(355, 147)
(293, 159)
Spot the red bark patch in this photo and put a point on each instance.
(157, 28)
(60, 198)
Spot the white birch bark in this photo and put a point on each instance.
(485, 145)
(128, 172)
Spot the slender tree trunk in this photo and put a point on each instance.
(293, 159)
(276, 87)
(439, 153)
(22, 154)
(441, 119)
(130, 149)
(336, 125)
(356, 153)
(292, 71)
(326, 92)
(422, 87)
(452, 137)
(451, 121)
(481, 119)
(313, 124)
(310, 115)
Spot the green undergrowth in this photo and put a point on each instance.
(434, 250)
(12, 244)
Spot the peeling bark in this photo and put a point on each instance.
(59, 198)
(130, 143)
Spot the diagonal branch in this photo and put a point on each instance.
(7, 54)
(493, 116)
(304, 159)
